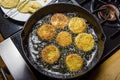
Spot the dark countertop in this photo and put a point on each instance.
(9, 26)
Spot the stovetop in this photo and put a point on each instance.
(12, 28)
(8, 27)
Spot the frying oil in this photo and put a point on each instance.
(36, 45)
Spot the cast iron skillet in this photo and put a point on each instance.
(62, 8)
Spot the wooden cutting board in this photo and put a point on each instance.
(1, 38)
(109, 70)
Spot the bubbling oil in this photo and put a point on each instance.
(36, 45)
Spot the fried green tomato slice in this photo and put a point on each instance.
(46, 32)
(50, 54)
(59, 20)
(84, 41)
(77, 25)
(74, 62)
(64, 38)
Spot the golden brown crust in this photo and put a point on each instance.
(77, 25)
(64, 38)
(59, 20)
(50, 54)
(84, 41)
(74, 62)
(46, 32)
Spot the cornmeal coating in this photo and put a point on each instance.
(64, 38)
(50, 54)
(46, 32)
(77, 25)
(84, 41)
(74, 62)
(59, 20)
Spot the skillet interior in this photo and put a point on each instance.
(62, 8)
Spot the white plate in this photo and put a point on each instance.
(22, 16)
